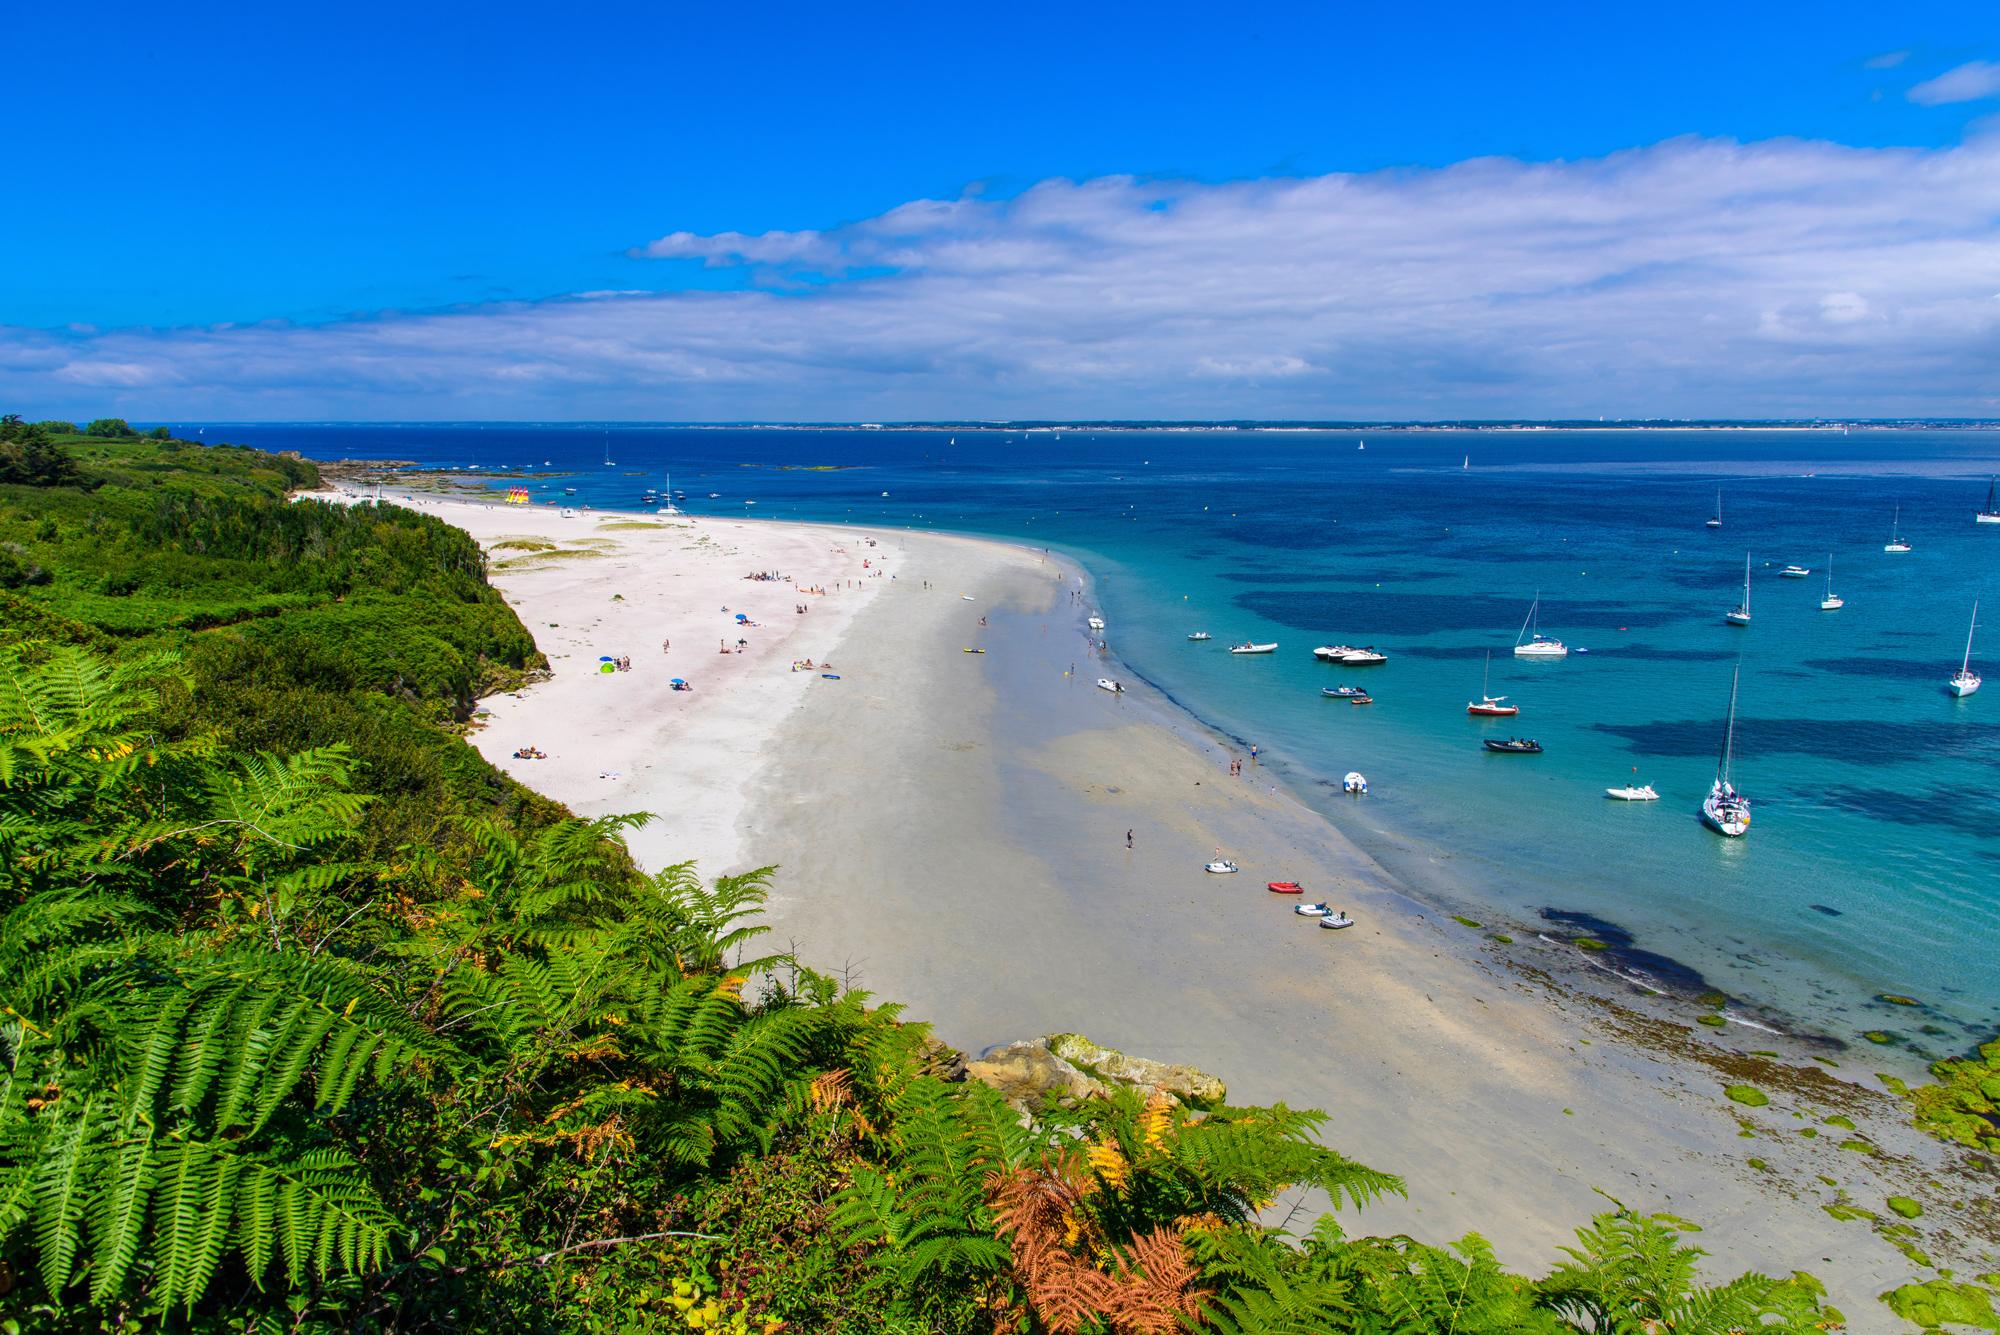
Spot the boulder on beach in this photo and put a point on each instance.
(1073, 1068)
(1024, 1072)
(1184, 1084)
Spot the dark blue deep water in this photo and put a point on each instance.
(1874, 862)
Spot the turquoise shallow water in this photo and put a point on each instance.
(1874, 862)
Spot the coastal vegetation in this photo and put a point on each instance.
(314, 1021)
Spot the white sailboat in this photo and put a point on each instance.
(1539, 645)
(1966, 681)
(670, 508)
(1832, 601)
(1991, 514)
(1741, 616)
(1896, 542)
(1490, 705)
(1725, 810)
(1715, 521)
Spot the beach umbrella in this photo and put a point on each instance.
(606, 658)
(677, 681)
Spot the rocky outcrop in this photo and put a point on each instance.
(1184, 1084)
(1024, 1073)
(1072, 1068)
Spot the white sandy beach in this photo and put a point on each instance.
(950, 832)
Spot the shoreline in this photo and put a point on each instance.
(943, 824)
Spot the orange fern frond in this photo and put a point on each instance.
(1157, 1120)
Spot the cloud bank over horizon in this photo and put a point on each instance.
(1694, 277)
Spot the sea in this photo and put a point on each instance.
(1872, 868)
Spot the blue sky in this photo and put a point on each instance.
(353, 170)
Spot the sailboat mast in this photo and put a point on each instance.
(1729, 732)
(1965, 665)
(1532, 609)
(1746, 581)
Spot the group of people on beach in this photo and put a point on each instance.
(530, 753)
(769, 577)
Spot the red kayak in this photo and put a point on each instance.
(1283, 887)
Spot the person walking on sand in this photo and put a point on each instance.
(1128, 839)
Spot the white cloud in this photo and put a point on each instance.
(1970, 82)
(1693, 277)
(1888, 60)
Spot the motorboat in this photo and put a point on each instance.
(1531, 643)
(1200, 635)
(1106, 684)
(1283, 887)
(1343, 693)
(1965, 681)
(1642, 793)
(1741, 616)
(1514, 746)
(1221, 867)
(1833, 601)
(1490, 706)
(1795, 572)
(1715, 520)
(1312, 910)
(1356, 783)
(1725, 810)
(1095, 623)
(1350, 656)
(1336, 921)
(1249, 648)
(975, 651)
(1896, 542)
(1991, 514)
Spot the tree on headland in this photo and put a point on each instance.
(29, 458)
(159, 433)
(110, 428)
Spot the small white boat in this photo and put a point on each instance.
(1531, 643)
(1643, 793)
(1095, 623)
(1221, 867)
(1249, 648)
(1106, 684)
(1991, 514)
(1347, 654)
(1716, 520)
(1200, 635)
(1741, 616)
(1356, 782)
(1965, 681)
(1896, 542)
(1833, 601)
(1336, 921)
(1795, 572)
(1312, 910)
